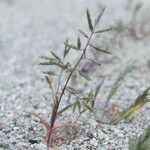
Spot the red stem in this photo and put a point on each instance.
(55, 109)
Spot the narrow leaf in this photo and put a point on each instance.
(138, 103)
(45, 57)
(49, 73)
(112, 91)
(83, 33)
(84, 75)
(122, 74)
(50, 63)
(88, 107)
(143, 96)
(49, 82)
(66, 49)
(78, 105)
(89, 20)
(45, 63)
(100, 16)
(72, 47)
(57, 57)
(73, 91)
(74, 107)
(120, 78)
(98, 89)
(136, 10)
(78, 43)
(100, 50)
(104, 30)
(64, 109)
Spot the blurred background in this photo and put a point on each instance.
(31, 28)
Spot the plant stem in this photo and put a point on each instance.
(56, 107)
(59, 78)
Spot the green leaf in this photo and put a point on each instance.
(72, 47)
(94, 95)
(66, 49)
(113, 91)
(90, 96)
(59, 64)
(122, 74)
(89, 20)
(49, 73)
(46, 63)
(88, 107)
(57, 57)
(98, 89)
(69, 70)
(100, 50)
(141, 142)
(49, 82)
(64, 109)
(73, 91)
(74, 107)
(46, 58)
(100, 16)
(120, 78)
(55, 98)
(78, 105)
(84, 75)
(84, 34)
(104, 30)
(144, 96)
(140, 101)
(136, 10)
(78, 43)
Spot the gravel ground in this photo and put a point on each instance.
(28, 28)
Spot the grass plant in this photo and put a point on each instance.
(58, 92)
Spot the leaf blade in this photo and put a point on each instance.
(100, 16)
(89, 20)
(78, 43)
(84, 75)
(83, 33)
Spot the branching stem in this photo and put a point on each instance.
(56, 107)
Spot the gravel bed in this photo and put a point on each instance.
(28, 29)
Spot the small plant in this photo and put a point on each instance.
(111, 112)
(138, 103)
(142, 142)
(83, 100)
(117, 83)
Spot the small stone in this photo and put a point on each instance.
(33, 141)
(90, 135)
(14, 143)
(94, 142)
(6, 131)
(42, 146)
(31, 129)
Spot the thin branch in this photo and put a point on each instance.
(55, 110)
